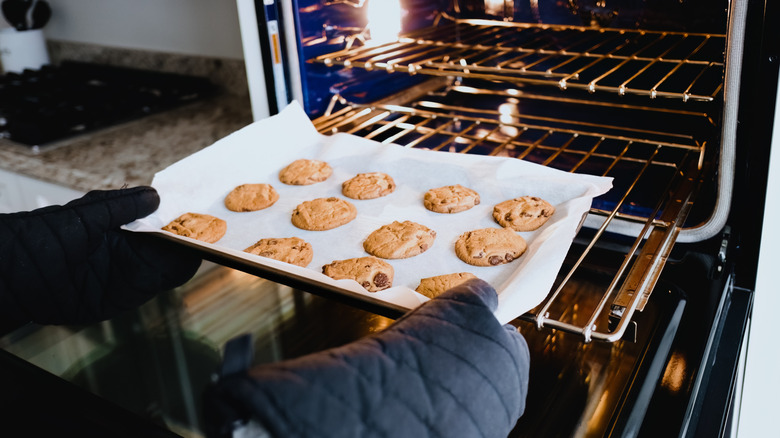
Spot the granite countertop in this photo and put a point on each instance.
(130, 154)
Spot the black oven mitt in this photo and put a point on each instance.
(72, 264)
(446, 369)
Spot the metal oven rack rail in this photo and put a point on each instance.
(428, 123)
(623, 61)
(523, 58)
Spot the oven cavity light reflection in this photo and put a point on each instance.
(384, 21)
(500, 8)
(464, 63)
(508, 115)
(675, 374)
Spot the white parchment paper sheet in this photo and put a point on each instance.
(256, 153)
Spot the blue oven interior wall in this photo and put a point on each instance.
(322, 26)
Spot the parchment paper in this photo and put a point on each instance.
(256, 153)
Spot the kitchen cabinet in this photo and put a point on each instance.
(21, 193)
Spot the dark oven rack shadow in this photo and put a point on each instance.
(656, 175)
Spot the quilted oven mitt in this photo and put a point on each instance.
(446, 369)
(72, 264)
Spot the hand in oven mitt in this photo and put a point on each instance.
(446, 369)
(72, 264)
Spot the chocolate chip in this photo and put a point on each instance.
(365, 284)
(381, 280)
(476, 201)
(509, 257)
(508, 217)
(495, 260)
(424, 246)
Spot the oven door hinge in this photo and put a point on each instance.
(723, 251)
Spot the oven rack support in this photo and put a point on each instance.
(686, 66)
(433, 126)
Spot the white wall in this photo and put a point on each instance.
(196, 27)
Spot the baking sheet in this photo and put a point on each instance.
(256, 153)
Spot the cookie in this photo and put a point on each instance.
(293, 250)
(251, 197)
(399, 240)
(370, 272)
(526, 213)
(489, 246)
(198, 226)
(304, 172)
(432, 287)
(368, 186)
(450, 199)
(323, 214)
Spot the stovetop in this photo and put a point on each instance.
(41, 107)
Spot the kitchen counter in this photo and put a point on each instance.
(130, 154)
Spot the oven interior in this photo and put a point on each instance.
(632, 90)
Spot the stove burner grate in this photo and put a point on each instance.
(38, 107)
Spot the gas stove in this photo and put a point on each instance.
(54, 103)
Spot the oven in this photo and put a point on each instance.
(642, 332)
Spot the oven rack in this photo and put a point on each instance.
(687, 66)
(631, 279)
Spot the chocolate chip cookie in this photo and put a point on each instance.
(399, 240)
(304, 172)
(450, 199)
(251, 197)
(370, 272)
(198, 226)
(526, 213)
(489, 246)
(432, 287)
(368, 186)
(323, 214)
(293, 250)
